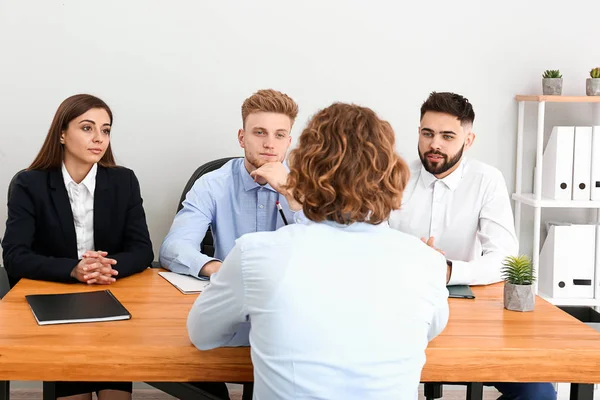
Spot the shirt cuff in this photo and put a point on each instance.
(206, 261)
(460, 273)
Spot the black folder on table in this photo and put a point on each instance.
(460, 292)
(69, 308)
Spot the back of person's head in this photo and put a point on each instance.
(51, 154)
(270, 101)
(450, 103)
(345, 168)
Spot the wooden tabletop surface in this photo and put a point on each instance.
(483, 342)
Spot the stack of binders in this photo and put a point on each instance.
(571, 164)
(570, 256)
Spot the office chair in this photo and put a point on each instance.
(4, 282)
(4, 288)
(207, 245)
(4, 285)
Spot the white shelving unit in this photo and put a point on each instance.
(535, 199)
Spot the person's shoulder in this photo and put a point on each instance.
(118, 177)
(282, 237)
(36, 180)
(482, 170)
(401, 237)
(118, 172)
(34, 176)
(222, 176)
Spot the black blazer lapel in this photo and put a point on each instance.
(102, 203)
(60, 200)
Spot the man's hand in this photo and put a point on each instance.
(430, 242)
(275, 174)
(210, 268)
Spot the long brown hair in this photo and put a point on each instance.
(52, 152)
(345, 168)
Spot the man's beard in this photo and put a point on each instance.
(441, 166)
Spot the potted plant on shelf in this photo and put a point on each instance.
(552, 82)
(518, 287)
(592, 84)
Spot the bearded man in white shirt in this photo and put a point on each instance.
(461, 207)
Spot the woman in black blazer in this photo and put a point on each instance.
(74, 216)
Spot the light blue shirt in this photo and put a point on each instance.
(336, 312)
(232, 204)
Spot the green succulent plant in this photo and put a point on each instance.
(552, 73)
(518, 270)
(595, 72)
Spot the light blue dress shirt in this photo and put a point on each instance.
(232, 204)
(336, 311)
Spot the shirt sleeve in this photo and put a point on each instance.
(496, 232)
(438, 298)
(218, 317)
(180, 251)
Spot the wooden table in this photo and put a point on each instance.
(482, 342)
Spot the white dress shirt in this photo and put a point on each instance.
(469, 215)
(81, 197)
(336, 311)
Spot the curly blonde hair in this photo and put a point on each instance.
(345, 167)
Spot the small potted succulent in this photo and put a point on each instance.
(592, 84)
(518, 286)
(552, 82)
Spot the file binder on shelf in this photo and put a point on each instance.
(557, 164)
(595, 164)
(567, 262)
(582, 162)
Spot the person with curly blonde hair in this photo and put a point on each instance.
(341, 307)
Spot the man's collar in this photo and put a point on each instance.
(451, 181)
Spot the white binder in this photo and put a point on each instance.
(582, 162)
(557, 164)
(567, 262)
(597, 268)
(595, 168)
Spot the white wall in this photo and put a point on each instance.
(176, 72)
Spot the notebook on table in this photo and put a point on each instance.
(70, 308)
(185, 283)
(460, 292)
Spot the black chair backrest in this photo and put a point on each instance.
(4, 282)
(207, 246)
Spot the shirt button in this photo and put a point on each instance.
(261, 206)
